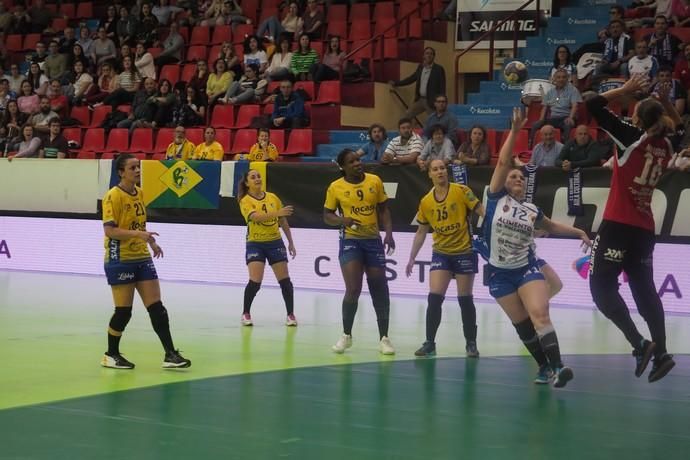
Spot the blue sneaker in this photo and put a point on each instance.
(427, 349)
(544, 375)
(563, 376)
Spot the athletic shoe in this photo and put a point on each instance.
(247, 319)
(290, 321)
(471, 349)
(563, 376)
(544, 375)
(642, 356)
(116, 361)
(386, 347)
(343, 343)
(662, 365)
(174, 360)
(427, 349)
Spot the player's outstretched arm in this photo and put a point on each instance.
(505, 157)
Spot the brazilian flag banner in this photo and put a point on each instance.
(181, 184)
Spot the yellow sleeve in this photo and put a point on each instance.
(254, 152)
(381, 196)
(421, 218)
(218, 152)
(468, 197)
(112, 208)
(188, 151)
(272, 152)
(331, 200)
(247, 207)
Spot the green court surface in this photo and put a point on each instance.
(276, 392)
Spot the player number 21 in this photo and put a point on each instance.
(650, 173)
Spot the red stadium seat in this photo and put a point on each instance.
(158, 156)
(94, 140)
(360, 29)
(307, 87)
(200, 36)
(384, 10)
(163, 139)
(224, 136)
(82, 115)
(142, 140)
(241, 31)
(246, 114)
(72, 134)
(533, 113)
(86, 155)
(154, 52)
(214, 52)
(196, 53)
(84, 10)
(14, 42)
(99, 115)
(195, 135)
(300, 142)
(223, 116)
(221, 34)
(386, 24)
(521, 142)
(30, 41)
(59, 23)
(108, 155)
(188, 72)
(170, 72)
(363, 53)
(390, 49)
(337, 13)
(329, 93)
(118, 140)
(244, 139)
(337, 28)
(68, 9)
(360, 12)
(278, 139)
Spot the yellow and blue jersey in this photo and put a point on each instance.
(448, 218)
(358, 201)
(126, 211)
(261, 231)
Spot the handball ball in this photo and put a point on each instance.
(515, 72)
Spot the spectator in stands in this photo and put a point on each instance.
(547, 151)
(80, 83)
(5, 95)
(559, 106)
(29, 145)
(441, 116)
(109, 23)
(663, 45)
(39, 56)
(218, 82)
(180, 148)
(54, 144)
(21, 22)
(681, 72)
(248, 90)
(200, 79)
(28, 100)
(331, 63)
(172, 48)
(263, 150)
(680, 10)
(581, 152)
(376, 145)
(280, 62)
(303, 59)
(136, 8)
(67, 40)
(210, 149)
(11, 122)
(142, 111)
(163, 11)
(85, 42)
(41, 17)
(405, 148)
(676, 94)
(162, 104)
(191, 109)
(231, 14)
(232, 61)
(618, 49)
(430, 79)
(58, 101)
(254, 53)
(38, 81)
(642, 63)
(289, 27)
(128, 83)
(103, 48)
(126, 28)
(438, 147)
(312, 21)
(5, 18)
(562, 59)
(143, 61)
(15, 79)
(641, 10)
(77, 54)
(475, 151)
(288, 108)
(106, 84)
(147, 27)
(55, 64)
(126, 51)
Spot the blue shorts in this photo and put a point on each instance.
(130, 272)
(506, 281)
(368, 251)
(540, 263)
(459, 264)
(273, 251)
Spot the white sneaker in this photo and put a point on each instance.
(386, 347)
(343, 343)
(247, 319)
(291, 320)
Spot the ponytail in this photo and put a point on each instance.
(242, 187)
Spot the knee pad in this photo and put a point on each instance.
(120, 318)
(526, 332)
(157, 309)
(253, 285)
(435, 301)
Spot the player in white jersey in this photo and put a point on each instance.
(515, 280)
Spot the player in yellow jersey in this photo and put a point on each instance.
(129, 267)
(445, 210)
(361, 202)
(210, 149)
(265, 216)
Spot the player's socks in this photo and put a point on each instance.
(380, 297)
(549, 343)
(116, 327)
(349, 310)
(288, 294)
(249, 293)
(161, 324)
(530, 339)
(433, 315)
(469, 317)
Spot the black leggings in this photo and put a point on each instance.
(620, 247)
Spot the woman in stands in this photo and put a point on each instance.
(625, 241)
(265, 215)
(476, 150)
(361, 202)
(445, 210)
(562, 59)
(514, 278)
(129, 266)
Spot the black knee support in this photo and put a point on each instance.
(249, 293)
(120, 318)
(161, 324)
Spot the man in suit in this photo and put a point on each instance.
(430, 81)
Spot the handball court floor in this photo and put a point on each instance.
(275, 392)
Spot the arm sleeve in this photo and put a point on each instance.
(111, 209)
(623, 133)
(411, 79)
